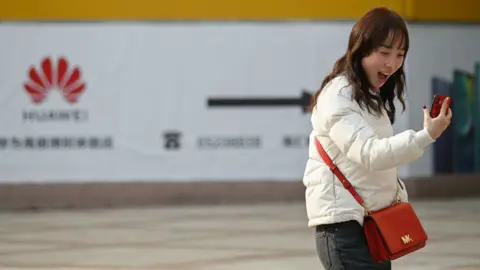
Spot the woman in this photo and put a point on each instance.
(352, 117)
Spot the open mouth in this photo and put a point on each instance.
(382, 76)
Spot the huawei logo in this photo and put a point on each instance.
(58, 76)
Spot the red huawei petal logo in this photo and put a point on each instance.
(57, 76)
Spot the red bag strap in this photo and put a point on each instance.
(337, 172)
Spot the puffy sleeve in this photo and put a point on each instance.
(358, 141)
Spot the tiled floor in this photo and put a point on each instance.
(271, 236)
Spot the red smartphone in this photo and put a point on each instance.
(437, 105)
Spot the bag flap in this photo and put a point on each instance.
(399, 226)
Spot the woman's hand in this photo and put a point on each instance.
(436, 126)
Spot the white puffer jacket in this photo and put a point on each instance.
(365, 150)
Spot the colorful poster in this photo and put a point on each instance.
(477, 116)
(443, 147)
(463, 124)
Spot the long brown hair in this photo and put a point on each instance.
(369, 33)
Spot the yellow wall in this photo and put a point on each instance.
(446, 10)
(68, 10)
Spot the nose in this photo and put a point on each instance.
(392, 63)
(389, 65)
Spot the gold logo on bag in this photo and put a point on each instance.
(406, 239)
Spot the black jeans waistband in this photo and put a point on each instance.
(326, 227)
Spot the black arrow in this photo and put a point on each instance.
(303, 101)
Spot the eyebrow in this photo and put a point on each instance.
(390, 47)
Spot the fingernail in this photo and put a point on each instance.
(424, 106)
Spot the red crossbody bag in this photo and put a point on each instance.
(391, 232)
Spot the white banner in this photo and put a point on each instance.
(113, 102)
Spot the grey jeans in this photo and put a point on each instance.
(342, 246)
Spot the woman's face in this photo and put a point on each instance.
(383, 62)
